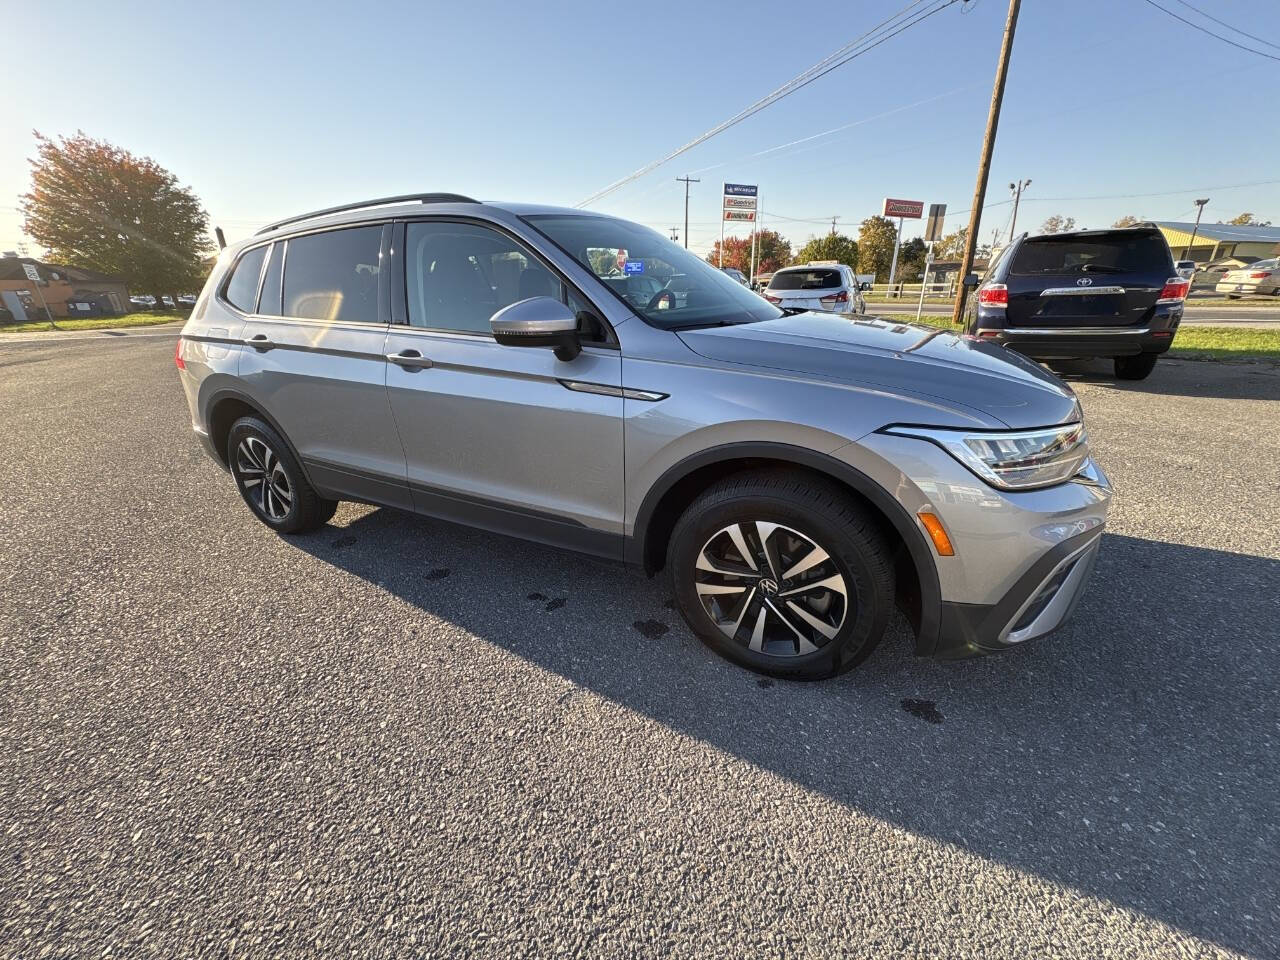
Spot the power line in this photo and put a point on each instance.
(1224, 23)
(850, 51)
(1196, 26)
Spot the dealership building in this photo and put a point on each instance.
(1214, 240)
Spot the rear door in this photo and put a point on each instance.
(315, 358)
(1094, 279)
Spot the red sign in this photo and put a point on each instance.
(911, 209)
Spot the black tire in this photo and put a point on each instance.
(1136, 368)
(818, 512)
(1233, 296)
(292, 504)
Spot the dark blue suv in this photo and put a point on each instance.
(1091, 293)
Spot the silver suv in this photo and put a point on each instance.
(582, 381)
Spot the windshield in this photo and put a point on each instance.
(661, 281)
(820, 279)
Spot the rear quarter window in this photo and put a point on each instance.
(1117, 253)
(242, 289)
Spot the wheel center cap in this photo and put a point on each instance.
(768, 587)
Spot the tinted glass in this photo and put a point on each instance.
(660, 280)
(269, 303)
(806, 280)
(334, 276)
(242, 289)
(1105, 254)
(458, 275)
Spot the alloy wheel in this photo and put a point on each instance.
(262, 477)
(771, 589)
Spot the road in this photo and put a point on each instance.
(1196, 315)
(401, 738)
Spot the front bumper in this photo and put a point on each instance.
(1022, 558)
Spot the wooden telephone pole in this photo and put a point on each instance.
(984, 165)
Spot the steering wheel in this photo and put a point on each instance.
(656, 300)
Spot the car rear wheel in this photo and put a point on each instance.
(782, 575)
(1136, 368)
(271, 481)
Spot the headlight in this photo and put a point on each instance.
(1013, 460)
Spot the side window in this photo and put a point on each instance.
(242, 288)
(459, 274)
(334, 276)
(269, 303)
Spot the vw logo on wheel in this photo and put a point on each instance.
(1084, 282)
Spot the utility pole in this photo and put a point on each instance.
(1017, 189)
(686, 181)
(675, 234)
(984, 164)
(1186, 251)
(833, 225)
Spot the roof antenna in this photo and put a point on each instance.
(222, 238)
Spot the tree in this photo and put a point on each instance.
(95, 205)
(951, 246)
(1128, 220)
(911, 259)
(876, 237)
(830, 246)
(1247, 220)
(772, 252)
(1058, 224)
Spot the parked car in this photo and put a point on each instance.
(736, 274)
(794, 474)
(187, 300)
(1090, 293)
(166, 301)
(1261, 277)
(761, 281)
(143, 302)
(1224, 264)
(832, 288)
(1186, 269)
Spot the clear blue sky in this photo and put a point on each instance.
(271, 109)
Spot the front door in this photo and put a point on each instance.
(492, 435)
(314, 356)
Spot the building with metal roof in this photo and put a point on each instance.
(1214, 240)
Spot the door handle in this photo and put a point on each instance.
(259, 341)
(409, 359)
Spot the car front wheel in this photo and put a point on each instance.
(783, 575)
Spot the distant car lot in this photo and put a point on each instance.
(399, 732)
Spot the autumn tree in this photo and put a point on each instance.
(1058, 224)
(1128, 220)
(94, 205)
(876, 237)
(830, 246)
(1248, 220)
(951, 246)
(772, 252)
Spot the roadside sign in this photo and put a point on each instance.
(32, 273)
(741, 203)
(911, 209)
(740, 190)
(632, 267)
(933, 229)
(747, 215)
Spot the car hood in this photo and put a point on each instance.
(1001, 387)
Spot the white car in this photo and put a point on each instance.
(829, 287)
(1262, 277)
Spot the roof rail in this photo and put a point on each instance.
(380, 202)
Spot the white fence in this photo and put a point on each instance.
(911, 291)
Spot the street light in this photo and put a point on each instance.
(1186, 251)
(1016, 189)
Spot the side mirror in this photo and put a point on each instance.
(538, 322)
(970, 280)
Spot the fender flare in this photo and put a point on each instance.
(903, 523)
(229, 393)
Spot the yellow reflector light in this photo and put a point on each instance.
(941, 542)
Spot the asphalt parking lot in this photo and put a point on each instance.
(402, 738)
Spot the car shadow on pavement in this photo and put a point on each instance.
(1174, 377)
(1131, 756)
